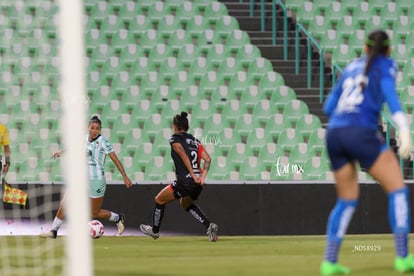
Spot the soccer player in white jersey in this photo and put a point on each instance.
(98, 147)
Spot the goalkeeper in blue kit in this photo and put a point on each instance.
(354, 107)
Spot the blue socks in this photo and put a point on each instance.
(338, 222)
(399, 218)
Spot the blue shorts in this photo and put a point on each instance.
(351, 144)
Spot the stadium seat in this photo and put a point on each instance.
(227, 25)
(206, 38)
(347, 25)
(239, 83)
(210, 82)
(168, 25)
(140, 24)
(188, 53)
(316, 168)
(281, 169)
(220, 98)
(219, 169)
(251, 97)
(159, 53)
(301, 153)
(171, 108)
(307, 13)
(197, 25)
(230, 138)
(245, 125)
(236, 39)
(307, 125)
(319, 25)
(259, 68)
(121, 39)
(214, 125)
(183, 85)
(276, 124)
(158, 169)
(111, 25)
(161, 143)
(269, 154)
(129, 11)
(157, 11)
(233, 109)
(201, 113)
(263, 111)
(270, 79)
(248, 53)
(282, 96)
(237, 154)
(151, 83)
(294, 110)
(141, 111)
(229, 68)
(200, 67)
(331, 40)
(257, 138)
(215, 10)
(289, 138)
(252, 169)
(342, 55)
(317, 140)
(217, 53)
(186, 11)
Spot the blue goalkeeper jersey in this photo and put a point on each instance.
(349, 105)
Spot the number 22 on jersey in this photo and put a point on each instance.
(351, 95)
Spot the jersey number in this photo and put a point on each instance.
(352, 94)
(194, 161)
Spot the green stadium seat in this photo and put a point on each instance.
(307, 13)
(157, 11)
(316, 168)
(236, 155)
(237, 39)
(197, 25)
(102, 53)
(214, 11)
(270, 82)
(200, 67)
(281, 97)
(257, 138)
(357, 42)
(307, 124)
(121, 39)
(245, 125)
(161, 143)
(142, 110)
(153, 124)
(111, 25)
(168, 25)
(214, 125)
(301, 153)
(263, 111)
(229, 67)
(129, 11)
(239, 83)
(248, 53)
(169, 68)
(220, 98)
(207, 38)
(403, 25)
(157, 169)
(188, 53)
(229, 139)
(219, 169)
(210, 82)
(251, 97)
(252, 169)
(400, 53)
(347, 25)
(289, 138)
(100, 11)
(331, 40)
(281, 169)
(201, 113)
(139, 25)
(172, 6)
(171, 108)
(259, 68)
(217, 53)
(268, 155)
(183, 85)
(159, 53)
(319, 25)
(295, 110)
(179, 38)
(151, 83)
(276, 124)
(317, 140)
(186, 11)
(342, 55)
(149, 39)
(233, 109)
(226, 25)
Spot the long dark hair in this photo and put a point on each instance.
(181, 121)
(378, 43)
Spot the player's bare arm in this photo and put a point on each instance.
(178, 148)
(206, 166)
(120, 168)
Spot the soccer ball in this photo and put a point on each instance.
(96, 229)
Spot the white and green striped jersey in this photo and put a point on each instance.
(98, 149)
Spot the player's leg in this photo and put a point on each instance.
(347, 190)
(99, 213)
(57, 222)
(387, 171)
(194, 210)
(165, 196)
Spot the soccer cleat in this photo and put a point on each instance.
(51, 234)
(212, 232)
(404, 264)
(328, 268)
(147, 230)
(120, 224)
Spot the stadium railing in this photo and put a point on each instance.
(311, 41)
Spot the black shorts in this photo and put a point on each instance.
(186, 187)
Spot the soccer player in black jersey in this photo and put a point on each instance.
(186, 152)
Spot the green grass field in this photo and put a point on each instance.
(231, 255)
(238, 255)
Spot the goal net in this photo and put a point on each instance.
(42, 103)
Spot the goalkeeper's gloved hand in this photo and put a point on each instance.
(405, 144)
